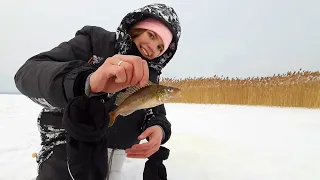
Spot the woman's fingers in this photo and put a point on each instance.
(145, 76)
(120, 74)
(140, 71)
(141, 153)
(123, 73)
(128, 67)
(120, 71)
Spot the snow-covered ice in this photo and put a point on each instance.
(218, 142)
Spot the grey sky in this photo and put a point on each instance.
(230, 37)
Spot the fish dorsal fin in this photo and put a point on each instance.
(128, 91)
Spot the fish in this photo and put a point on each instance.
(136, 98)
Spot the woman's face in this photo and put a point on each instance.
(149, 44)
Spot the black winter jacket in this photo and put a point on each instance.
(56, 79)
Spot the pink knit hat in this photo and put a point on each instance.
(159, 28)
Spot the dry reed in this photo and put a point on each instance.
(293, 89)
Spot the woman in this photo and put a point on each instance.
(76, 83)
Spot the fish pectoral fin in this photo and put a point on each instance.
(112, 118)
(128, 112)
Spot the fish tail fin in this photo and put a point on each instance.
(112, 118)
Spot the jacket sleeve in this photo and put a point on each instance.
(157, 115)
(57, 75)
(86, 122)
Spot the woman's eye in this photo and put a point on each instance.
(151, 35)
(160, 48)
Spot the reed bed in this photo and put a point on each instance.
(292, 89)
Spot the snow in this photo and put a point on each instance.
(218, 142)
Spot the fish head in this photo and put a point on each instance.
(167, 92)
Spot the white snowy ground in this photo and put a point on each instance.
(218, 142)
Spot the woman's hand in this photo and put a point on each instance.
(145, 150)
(119, 72)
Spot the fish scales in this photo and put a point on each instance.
(136, 98)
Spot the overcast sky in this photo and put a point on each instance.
(223, 37)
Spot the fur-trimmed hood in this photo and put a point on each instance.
(162, 12)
